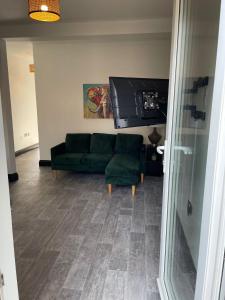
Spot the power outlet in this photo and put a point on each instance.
(189, 208)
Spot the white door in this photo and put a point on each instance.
(190, 132)
(8, 290)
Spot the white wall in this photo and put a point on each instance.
(23, 95)
(7, 257)
(62, 67)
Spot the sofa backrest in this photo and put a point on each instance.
(102, 143)
(78, 142)
(128, 143)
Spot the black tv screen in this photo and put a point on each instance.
(138, 101)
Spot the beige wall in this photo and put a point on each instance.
(23, 95)
(62, 67)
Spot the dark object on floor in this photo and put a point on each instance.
(154, 166)
(45, 163)
(13, 177)
(121, 157)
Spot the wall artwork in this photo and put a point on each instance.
(96, 101)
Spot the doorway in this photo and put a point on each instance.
(21, 71)
(190, 120)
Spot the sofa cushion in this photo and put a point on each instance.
(128, 143)
(78, 142)
(102, 143)
(97, 162)
(123, 165)
(68, 159)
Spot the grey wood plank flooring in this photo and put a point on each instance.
(67, 294)
(54, 280)
(93, 288)
(73, 241)
(120, 251)
(115, 285)
(87, 253)
(136, 268)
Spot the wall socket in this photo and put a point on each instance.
(26, 134)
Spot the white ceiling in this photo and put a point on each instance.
(91, 10)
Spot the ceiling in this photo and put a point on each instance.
(15, 11)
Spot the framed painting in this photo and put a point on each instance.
(96, 101)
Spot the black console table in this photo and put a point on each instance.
(154, 163)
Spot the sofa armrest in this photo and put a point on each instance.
(57, 150)
(143, 158)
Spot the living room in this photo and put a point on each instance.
(86, 193)
(62, 209)
(64, 217)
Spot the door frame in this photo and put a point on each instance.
(213, 221)
(7, 255)
(166, 184)
(212, 239)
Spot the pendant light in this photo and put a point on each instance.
(44, 10)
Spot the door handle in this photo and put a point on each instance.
(186, 150)
(160, 149)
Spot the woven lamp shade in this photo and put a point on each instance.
(44, 10)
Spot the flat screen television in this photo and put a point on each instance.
(138, 101)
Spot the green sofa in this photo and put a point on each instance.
(120, 157)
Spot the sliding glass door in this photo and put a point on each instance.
(191, 92)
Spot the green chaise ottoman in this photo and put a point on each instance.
(127, 165)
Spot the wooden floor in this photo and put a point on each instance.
(74, 241)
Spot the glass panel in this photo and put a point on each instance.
(197, 44)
